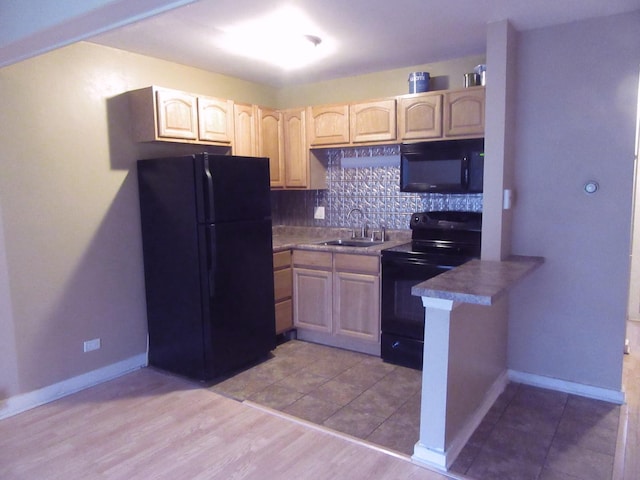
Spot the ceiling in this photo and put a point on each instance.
(369, 35)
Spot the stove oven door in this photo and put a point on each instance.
(402, 321)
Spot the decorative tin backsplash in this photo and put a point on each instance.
(371, 182)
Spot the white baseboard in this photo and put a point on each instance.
(597, 393)
(26, 401)
(444, 459)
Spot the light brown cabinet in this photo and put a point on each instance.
(420, 116)
(337, 299)
(351, 124)
(270, 143)
(373, 121)
(296, 153)
(279, 135)
(177, 114)
(312, 294)
(245, 141)
(356, 298)
(441, 115)
(328, 125)
(464, 112)
(303, 168)
(160, 114)
(215, 120)
(283, 290)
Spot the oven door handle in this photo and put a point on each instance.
(413, 262)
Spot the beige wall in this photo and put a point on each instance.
(575, 122)
(499, 140)
(444, 75)
(477, 360)
(68, 198)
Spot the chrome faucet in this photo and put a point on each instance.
(380, 234)
(363, 227)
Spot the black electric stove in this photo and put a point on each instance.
(440, 241)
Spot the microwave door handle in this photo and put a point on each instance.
(465, 173)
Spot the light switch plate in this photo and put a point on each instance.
(91, 345)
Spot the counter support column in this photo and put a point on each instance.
(431, 447)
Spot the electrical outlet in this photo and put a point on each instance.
(318, 213)
(90, 345)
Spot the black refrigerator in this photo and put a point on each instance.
(208, 262)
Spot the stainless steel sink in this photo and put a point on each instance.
(351, 242)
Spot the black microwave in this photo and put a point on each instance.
(448, 166)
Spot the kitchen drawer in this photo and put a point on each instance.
(282, 283)
(357, 263)
(284, 316)
(281, 259)
(312, 259)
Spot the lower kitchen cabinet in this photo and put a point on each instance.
(336, 299)
(356, 297)
(283, 291)
(312, 292)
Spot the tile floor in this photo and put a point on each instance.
(530, 433)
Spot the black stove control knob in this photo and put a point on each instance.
(418, 219)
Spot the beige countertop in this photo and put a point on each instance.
(478, 281)
(311, 238)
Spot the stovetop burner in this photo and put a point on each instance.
(442, 234)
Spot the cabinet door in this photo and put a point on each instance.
(356, 299)
(269, 145)
(215, 120)
(464, 112)
(328, 125)
(373, 121)
(177, 115)
(312, 299)
(245, 142)
(296, 161)
(420, 117)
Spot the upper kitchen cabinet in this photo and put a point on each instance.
(352, 124)
(161, 114)
(464, 112)
(177, 114)
(304, 168)
(438, 115)
(420, 116)
(270, 145)
(296, 164)
(245, 141)
(279, 135)
(328, 125)
(373, 121)
(215, 120)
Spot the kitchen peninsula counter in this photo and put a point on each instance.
(480, 282)
(465, 351)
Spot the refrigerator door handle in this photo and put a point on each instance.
(211, 267)
(209, 189)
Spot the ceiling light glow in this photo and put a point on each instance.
(286, 38)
